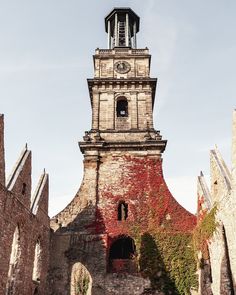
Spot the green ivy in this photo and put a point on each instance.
(82, 286)
(168, 260)
(204, 231)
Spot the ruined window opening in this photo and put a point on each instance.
(81, 280)
(23, 191)
(225, 263)
(122, 211)
(215, 187)
(37, 262)
(14, 260)
(123, 248)
(36, 291)
(122, 107)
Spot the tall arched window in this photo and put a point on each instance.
(37, 262)
(122, 211)
(122, 107)
(81, 280)
(14, 260)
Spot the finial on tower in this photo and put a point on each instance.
(122, 25)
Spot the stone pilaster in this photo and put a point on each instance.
(96, 110)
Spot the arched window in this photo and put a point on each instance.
(122, 107)
(37, 262)
(14, 260)
(81, 280)
(122, 211)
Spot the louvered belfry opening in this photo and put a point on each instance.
(122, 25)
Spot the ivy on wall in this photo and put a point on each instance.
(168, 260)
(82, 286)
(162, 228)
(204, 231)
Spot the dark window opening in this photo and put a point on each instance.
(122, 211)
(36, 291)
(121, 26)
(122, 108)
(23, 191)
(123, 248)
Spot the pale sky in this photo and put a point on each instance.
(46, 50)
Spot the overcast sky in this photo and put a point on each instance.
(46, 50)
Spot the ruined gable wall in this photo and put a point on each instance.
(15, 212)
(222, 246)
(85, 229)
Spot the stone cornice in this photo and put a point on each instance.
(122, 84)
(158, 145)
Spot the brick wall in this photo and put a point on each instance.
(16, 206)
(85, 230)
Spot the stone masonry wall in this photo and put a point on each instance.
(21, 230)
(86, 228)
(222, 246)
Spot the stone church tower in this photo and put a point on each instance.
(96, 239)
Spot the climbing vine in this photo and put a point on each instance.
(168, 260)
(82, 286)
(161, 228)
(204, 231)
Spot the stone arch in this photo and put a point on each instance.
(13, 270)
(37, 264)
(81, 280)
(122, 255)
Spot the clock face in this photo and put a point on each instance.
(122, 67)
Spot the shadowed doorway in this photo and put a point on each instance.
(122, 255)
